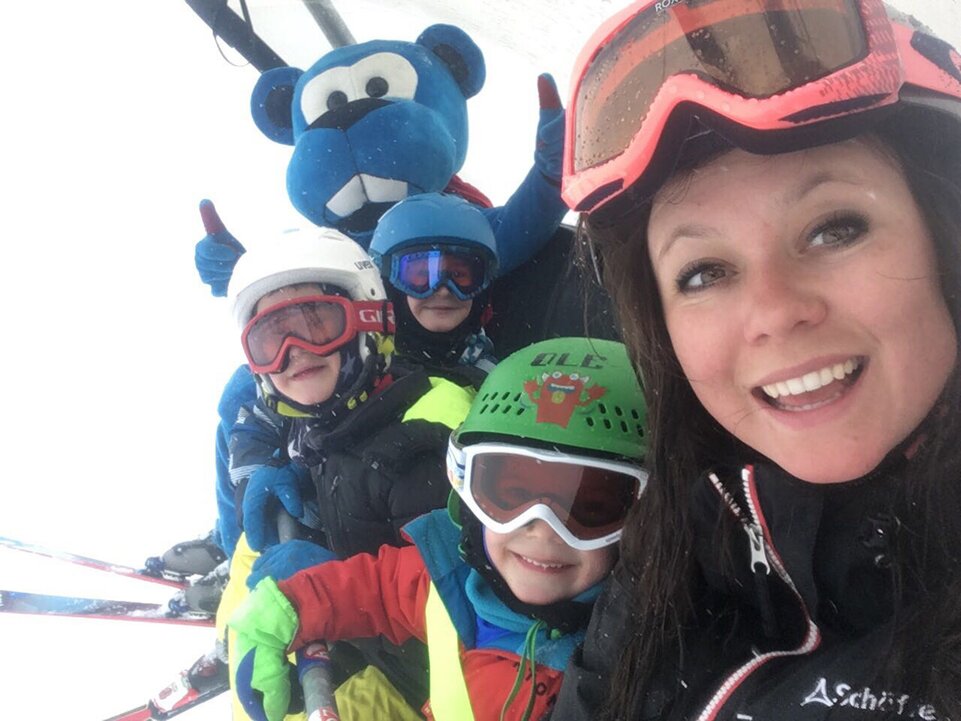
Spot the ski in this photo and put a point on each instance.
(142, 574)
(203, 681)
(71, 606)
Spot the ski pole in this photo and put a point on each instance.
(313, 670)
(313, 661)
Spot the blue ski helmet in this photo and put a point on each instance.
(432, 219)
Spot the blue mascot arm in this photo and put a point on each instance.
(534, 212)
(241, 390)
(217, 252)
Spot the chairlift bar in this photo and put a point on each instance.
(330, 21)
(232, 29)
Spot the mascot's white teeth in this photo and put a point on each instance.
(362, 189)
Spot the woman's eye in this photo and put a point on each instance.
(841, 230)
(700, 275)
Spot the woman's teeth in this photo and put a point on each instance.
(812, 381)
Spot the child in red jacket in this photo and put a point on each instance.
(501, 584)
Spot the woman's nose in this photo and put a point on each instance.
(781, 300)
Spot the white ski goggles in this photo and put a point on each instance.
(584, 500)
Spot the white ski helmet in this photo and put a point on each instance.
(316, 255)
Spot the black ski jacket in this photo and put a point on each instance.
(384, 464)
(378, 469)
(794, 611)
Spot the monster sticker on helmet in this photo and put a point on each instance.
(558, 394)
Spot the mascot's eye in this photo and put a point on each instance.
(384, 74)
(336, 99)
(377, 87)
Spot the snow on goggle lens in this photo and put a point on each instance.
(762, 69)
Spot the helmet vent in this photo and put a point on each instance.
(503, 402)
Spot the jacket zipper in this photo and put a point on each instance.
(763, 557)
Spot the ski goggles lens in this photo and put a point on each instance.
(318, 324)
(584, 500)
(744, 60)
(421, 273)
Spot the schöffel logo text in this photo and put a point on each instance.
(870, 700)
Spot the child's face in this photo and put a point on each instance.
(540, 568)
(308, 378)
(440, 312)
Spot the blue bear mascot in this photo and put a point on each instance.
(371, 124)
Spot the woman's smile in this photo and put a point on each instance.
(813, 389)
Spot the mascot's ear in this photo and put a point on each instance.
(459, 53)
(271, 101)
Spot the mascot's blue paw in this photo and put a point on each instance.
(216, 254)
(549, 149)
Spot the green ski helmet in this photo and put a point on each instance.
(574, 402)
(579, 393)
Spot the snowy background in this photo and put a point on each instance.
(121, 117)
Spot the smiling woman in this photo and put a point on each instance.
(787, 265)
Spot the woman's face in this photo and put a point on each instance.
(801, 296)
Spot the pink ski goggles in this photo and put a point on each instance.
(320, 324)
(760, 72)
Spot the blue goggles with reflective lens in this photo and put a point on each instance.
(420, 272)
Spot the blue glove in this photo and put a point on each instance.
(285, 559)
(266, 484)
(251, 698)
(216, 254)
(549, 149)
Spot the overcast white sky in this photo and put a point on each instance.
(120, 117)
